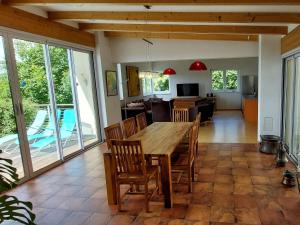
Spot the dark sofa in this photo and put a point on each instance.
(158, 110)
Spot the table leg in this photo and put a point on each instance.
(166, 180)
(110, 179)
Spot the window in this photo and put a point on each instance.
(217, 80)
(231, 79)
(161, 84)
(120, 80)
(154, 83)
(224, 80)
(146, 78)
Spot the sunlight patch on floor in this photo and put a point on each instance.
(228, 127)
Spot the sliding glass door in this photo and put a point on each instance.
(65, 100)
(288, 101)
(37, 109)
(9, 138)
(87, 104)
(48, 104)
(291, 106)
(296, 131)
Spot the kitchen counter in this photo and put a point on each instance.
(250, 108)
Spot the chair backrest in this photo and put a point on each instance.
(161, 111)
(51, 126)
(141, 121)
(129, 126)
(113, 132)
(38, 122)
(69, 123)
(193, 135)
(180, 115)
(128, 157)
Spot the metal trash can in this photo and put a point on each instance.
(269, 144)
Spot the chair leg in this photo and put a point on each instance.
(157, 181)
(131, 188)
(146, 198)
(119, 197)
(190, 180)
(193, 171)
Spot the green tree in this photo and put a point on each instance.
(32, 73)
(161, 83)
(231, 79)
(217, 80)
(33, 82)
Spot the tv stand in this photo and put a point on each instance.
(186, 102)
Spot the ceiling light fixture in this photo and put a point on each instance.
(198, 66)
(169, 71)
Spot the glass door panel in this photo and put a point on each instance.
(288, 105)
(296, 137)
(85, 87)
(9, 140)
(37, 109)
(61, 75)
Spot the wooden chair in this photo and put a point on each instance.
(198, 121)
(130, 169)
(129, 127)
(141, 121)
(198, 118)
(186, 160)
(180, 115)
(113, 132)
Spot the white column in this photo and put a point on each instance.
(269, 85)
(110, 105)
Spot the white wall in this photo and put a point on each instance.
(225, 100)
(269, 85)
(110, 105)
(126, 50)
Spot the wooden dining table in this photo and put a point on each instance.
(159, 139)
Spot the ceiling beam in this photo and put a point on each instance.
(158, 28)
(162, 2)
(24, 21)
(223, 37)
(291, 41)
(220, 17)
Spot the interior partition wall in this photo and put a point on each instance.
(291, 106)
(48, 105)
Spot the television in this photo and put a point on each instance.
(187, 89)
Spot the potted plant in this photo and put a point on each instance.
(11, 208)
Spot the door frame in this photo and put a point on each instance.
(8, 36)
(292, 156)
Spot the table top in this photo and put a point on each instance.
(161, 138)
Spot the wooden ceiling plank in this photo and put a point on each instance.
(291, 41)
(218, 17)
(210, 29)
(161, 2)
(20, 20)
(223, 37)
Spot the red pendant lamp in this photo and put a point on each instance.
(169, 71)
(198, 66)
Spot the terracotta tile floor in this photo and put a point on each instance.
(235, 185)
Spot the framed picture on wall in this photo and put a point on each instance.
(133, 81)
(111, 83)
